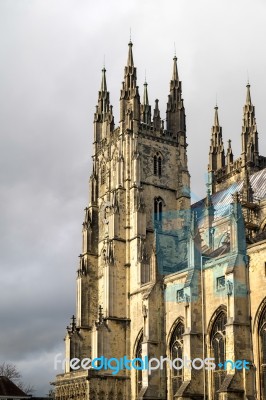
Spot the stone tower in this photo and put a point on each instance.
(139, 178)
(159, 277)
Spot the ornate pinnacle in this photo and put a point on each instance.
(216, 117)
(73, 326)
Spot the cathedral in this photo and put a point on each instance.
(160, 278)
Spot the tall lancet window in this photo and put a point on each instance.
(262, 342)
(139, 372)
(176, 351)
(157, 164)
(218, 350)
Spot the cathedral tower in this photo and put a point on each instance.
(159, 278)
(139, 178)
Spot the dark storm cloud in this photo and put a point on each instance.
(44, 172)
(51, 59)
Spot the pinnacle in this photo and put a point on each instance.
(216, 117)
(248, 98)
(145, 94)
(103, 84)
(130, 62)
(175, 73)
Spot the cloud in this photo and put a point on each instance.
(52, 55)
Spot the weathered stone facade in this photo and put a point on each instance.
(159, 277)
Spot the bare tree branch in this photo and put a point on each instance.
(11, 372)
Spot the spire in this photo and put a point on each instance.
(104, 111)
(130, 62)
(250, 143)
(145, 94)
(129, 85)
(103, 99)
(248, 98)
(175, 73)
(216, 117)
(216, 153)
(103, 106)
(130, 90)
(156, 117)
(248, 110)
(103, 84)
(175, 111)
(145, 107)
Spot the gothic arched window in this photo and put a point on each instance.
(158, 209)
(262, 342)
(157, 164)
(176, 351)
(218, 349)
(139, 372)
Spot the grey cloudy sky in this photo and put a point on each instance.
(52, 53)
